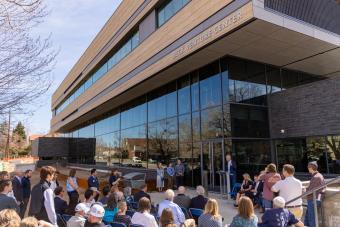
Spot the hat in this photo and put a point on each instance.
(82, 207)
(314, 163)
(279, 202)
(97, 211)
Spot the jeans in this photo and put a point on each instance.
(310, 216)
(232, 181)
(267, 204)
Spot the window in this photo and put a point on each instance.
(170, 7)
(184, 95)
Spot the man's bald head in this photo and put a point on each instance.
(181, 190)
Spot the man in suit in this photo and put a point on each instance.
(18, 191)
(60, 204)
(230, 169)
(93, 182)
(142, 193)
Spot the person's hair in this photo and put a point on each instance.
(166, 217)
(271, 168)
(88, 193)
(181, 189)
(93, 170)
(279, 202)
(290, 169)
(211, 207)
(106, 190)
(247, 176)
(144, 204)
(127, 191)
(245, 207)
(113, 171)
(169, 194)
(143, 186)
(4, 184)
(27, 171)
(122, 206)
(313, 167)
(189, 223)
(45, 171)
(9, 218)
(57, 172)
(200, 190)
(112, 201)
(3, 174)
(72, 172)
(58, 190)
(29, 222)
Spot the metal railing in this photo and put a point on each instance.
(314, 191)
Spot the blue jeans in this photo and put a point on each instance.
(310, 216)
(267, 204)
(232, 180)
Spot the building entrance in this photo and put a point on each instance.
(212, 159)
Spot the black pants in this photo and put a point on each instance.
(179, 181)
(23, 207)
(73, 201)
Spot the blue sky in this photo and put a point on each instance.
(73, 24)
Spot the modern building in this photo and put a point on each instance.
(197, 79)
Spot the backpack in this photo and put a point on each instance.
(37, 195)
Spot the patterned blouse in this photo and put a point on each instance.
(238, 221)
(207, 220)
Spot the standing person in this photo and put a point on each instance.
(316, 181)
(143, 216)
(177, 212)
(290, 188)
(72, 189)
(246, 215)
(170, 173)
(42, 195)
(179, 172)
(92, 181)
(26, 188)
(18, 191)
(95, 218)
(55, 182)
(160, 177)
(230, 169)
(269, 178)
(113, 176)
(279, 216)
(7, 202)
(211, 216)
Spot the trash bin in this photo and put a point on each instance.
(134, 180)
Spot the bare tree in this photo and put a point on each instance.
(25, 60)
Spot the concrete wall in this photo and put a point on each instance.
(308, 110)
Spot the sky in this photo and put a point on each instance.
(72, 24)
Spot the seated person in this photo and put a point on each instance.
(89, 198)
(128, 196)
(121, 216)
(105, 197)
(246, 187)
(95, 216)
(200, 200)
(60, 204)
(143, 216)
(78, 220)
(246, 215)
(257, 191)
(279, 216)
(111, 208)
(142, 193)
(181, 199)
(177, 212)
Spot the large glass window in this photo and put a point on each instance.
(184, 95)
(134, 115)
(87, 132)
(170, 7)
(108, 148)
(184, 128)
(107, 125)
(211, 123)
(195, 92)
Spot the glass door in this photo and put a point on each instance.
(212, 153)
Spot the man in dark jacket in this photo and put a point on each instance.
(18, 191)
(59, 203)
(181, 199)
(93, 182)
(26, 188)
(142, 193)
(199, 201)
(7, 202)
(230, 168)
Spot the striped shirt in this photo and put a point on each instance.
(207, 220)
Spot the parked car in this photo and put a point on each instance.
(136, 159)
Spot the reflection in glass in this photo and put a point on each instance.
(273, 80)
(184, 95)
(196, 126)
(107, 125)
(210, 91)
(108, 149)
(133, 116)
(185, 153)
(184, 128)
(211, 123)
(87, 132)
(195, 92)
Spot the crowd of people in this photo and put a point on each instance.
(269, 192)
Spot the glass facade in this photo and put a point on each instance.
(168, 9)
(218, 109)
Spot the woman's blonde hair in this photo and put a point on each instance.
(246, 176)
(122, 206)
(9, 218)
(189, 223)
(212, 208)
(245, 207)
(29, 222)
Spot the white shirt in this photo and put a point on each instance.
(289, 188)
(49, 206)
(76, 221)
(229, 165)
(145, 219)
